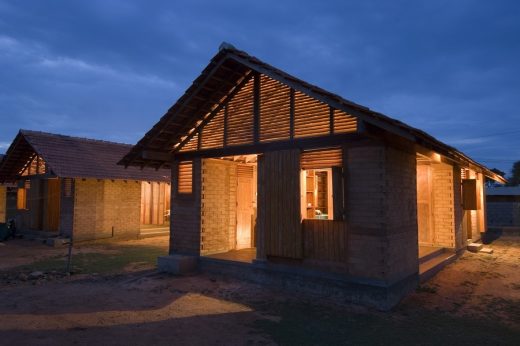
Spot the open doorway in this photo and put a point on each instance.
(155, 208)
(229, 207)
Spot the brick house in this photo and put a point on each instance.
(72, 187)
(279, 181)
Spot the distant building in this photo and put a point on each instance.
(503, 208)
(73, 187)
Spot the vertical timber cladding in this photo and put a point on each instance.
(284, 113)
(326, 240)
(279, 203)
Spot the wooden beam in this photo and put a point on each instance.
(225, 125)
(291, 114)
(301, 143)
(156, 155)
(331, 120)
(256, 108)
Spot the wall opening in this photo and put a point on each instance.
(155, 207)
(229, 208)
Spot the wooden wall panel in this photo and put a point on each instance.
(155, 202)
(213, 132)
(279, 204)
(343, 122)
(274, 110)
(240, 116)
(325, 240)
(52, 215)
(311, 117)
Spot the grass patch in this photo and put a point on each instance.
(101, 263)
(311, 325)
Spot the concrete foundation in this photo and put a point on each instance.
(177, 264)
(375, 293)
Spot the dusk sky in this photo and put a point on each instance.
(110, 69)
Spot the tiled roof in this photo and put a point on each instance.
(75, 157)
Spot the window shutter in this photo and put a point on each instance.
(469, 194)
(321, 158)
(185, 178)
(337, 193)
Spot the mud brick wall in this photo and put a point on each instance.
(103, 208)
(443, 205)
(401, 214)
(381, 212)
(219, 206)
(185, 220)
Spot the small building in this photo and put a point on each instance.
(280, 181)
(72, 187)
(503, 208)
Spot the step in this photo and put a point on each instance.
(432, 266)
(434, 253)
(474, 247)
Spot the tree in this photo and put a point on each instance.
(491, 182)
(514, 180)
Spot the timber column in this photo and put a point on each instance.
(185, 220)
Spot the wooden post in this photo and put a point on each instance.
(291, 113)
(256, 108)
(225, 125)
(331, 120)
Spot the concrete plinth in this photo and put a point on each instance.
(177, 264)
(57, 242)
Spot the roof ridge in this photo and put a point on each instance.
(25, 131)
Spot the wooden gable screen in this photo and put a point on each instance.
(277, 113)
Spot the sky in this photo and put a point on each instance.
(110, 69)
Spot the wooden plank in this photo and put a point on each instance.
(300, 143)
(256, 108)
(281, 216)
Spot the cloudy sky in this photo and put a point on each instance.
(110, 69)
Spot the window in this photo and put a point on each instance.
(67, 187)
(185, 178)
(321, 184)
(318, 194)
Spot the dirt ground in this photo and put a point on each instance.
(116, 297)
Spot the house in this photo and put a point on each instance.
(503, 209)
(282, 182)
(72, 187)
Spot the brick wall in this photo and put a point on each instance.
(218, 210)
(381, 212)
(3, 203)
(103, 208)
(185, 221)
(443, 205)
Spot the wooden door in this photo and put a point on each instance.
(245, 207)
(424, 206)
(53, 205)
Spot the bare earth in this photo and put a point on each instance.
(475, 300)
